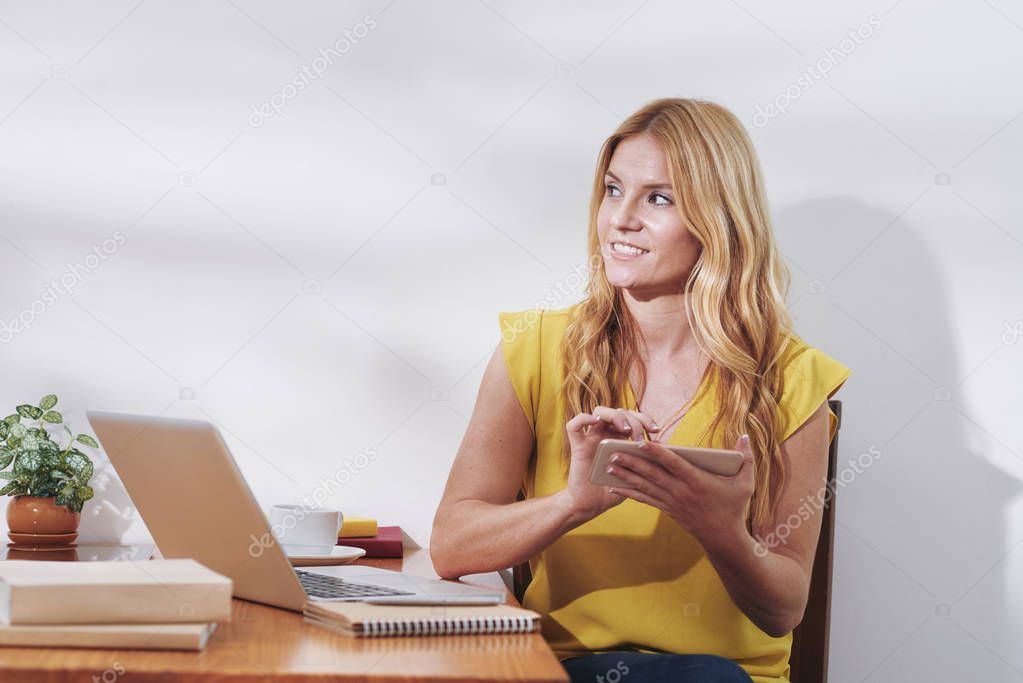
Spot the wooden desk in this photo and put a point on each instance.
(267, 644)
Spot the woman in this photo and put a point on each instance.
(683, 338)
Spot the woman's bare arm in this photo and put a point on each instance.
(479, 526)
(771, 584)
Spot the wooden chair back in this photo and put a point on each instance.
(809, 658)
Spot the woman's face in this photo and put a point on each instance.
(639, 209)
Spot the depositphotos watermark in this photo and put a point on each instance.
(314, 501)
(74, 273)
(1012, 332)
(110, 674)
(314, 70)
(557, 292)
(615, 673)
(821, 69)
(815, 503)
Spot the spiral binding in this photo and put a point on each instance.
(444, 627)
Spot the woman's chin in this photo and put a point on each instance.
(639, 287)
(622, 277)
(624, 282)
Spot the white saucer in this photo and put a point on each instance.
(313, 555)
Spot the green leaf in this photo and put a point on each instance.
(18, 430)
(10, 488)
(5, 429)
(30, 442)
(48, 401)
(6, 457)
(8, 475)
(53, 417)
(56, 474)
(13, 419)
(79, 463)
(87, 440)
(83, 492)
(31, 412)
(42, 485)
(28, 461)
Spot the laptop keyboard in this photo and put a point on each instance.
(333, 588)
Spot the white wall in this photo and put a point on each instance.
(137, 118)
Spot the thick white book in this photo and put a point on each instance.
(113, 592)
(119, 636)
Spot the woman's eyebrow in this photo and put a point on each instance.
(648, 185)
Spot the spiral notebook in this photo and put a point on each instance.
(363, 620)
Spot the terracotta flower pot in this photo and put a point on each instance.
(40, 515)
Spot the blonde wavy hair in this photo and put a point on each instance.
(736, 290)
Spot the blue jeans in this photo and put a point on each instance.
(637, 667)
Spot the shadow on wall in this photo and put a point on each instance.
(111, 513)
(933, 506)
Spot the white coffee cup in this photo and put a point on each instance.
(305, 531)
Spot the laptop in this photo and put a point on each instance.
(185, 483)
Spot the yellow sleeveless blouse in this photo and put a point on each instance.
(632, 578)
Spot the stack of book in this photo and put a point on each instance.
(152, 604)
(377, 541)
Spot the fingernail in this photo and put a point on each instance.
(610, 470)
(628, 427)
(745, 439)
(615, 458)
(654, 425)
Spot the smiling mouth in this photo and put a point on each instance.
(627, 249)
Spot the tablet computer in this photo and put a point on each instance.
(716, 460)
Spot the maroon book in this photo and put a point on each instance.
(387, 542)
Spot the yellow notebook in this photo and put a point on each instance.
(354, 527)
(363, 620)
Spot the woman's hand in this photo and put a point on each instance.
(709, 506)
(585, 431)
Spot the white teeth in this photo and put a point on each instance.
(626, 249)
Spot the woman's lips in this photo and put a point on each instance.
(627, 254)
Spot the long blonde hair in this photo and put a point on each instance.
(736, 290)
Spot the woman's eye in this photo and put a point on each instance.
(610, 189)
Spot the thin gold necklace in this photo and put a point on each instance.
(664, 427)
(678, 415)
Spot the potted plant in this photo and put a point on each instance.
(49, 482)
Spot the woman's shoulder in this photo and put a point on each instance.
(530, 342)
(530, 322)
(809, 377)
(547, 313)
(798, 356)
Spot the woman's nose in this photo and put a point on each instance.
(625, 217)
